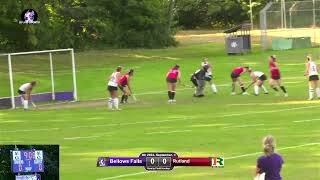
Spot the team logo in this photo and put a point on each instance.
(29, 16)
(234, 44)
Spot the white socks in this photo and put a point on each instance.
(264, 89)
(214, 88)
(110, 102)
(318, 92)
(311, 92)
(113, 102)
(256, 89)
(116, 103)
(25, 104)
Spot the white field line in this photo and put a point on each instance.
(159, 121)
(269, 111)
(83, 137)
(278, 149)
(243, 126)
(31, 130)
(227, 158)
(308, 120)
(169, 132)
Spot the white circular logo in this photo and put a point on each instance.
(234, 44)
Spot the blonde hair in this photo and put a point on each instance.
(269, 145)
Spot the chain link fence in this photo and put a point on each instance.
(294, 19)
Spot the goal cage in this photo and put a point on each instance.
(41, 68)
(289, 21)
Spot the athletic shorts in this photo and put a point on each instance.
(21, 92)
(313, 78)
(208, 78)
(275, 77)
(112, 88)
(263, 77)
(171, 80)
(122, 87)
(234, 76)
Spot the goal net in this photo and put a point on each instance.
(54, 71)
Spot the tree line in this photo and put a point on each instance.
(83, 24)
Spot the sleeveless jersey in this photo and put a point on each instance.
(173, 73)
(274, 70)
(113, 80)
(312, 69)
(124, 80)
(258, 73)
(25, 87)
(238, 70)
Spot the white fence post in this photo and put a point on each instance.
(52, 77)
(13, 104)
(75, 93)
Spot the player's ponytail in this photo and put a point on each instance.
(33, 83)
(268, 145)
(119, 68)
(309, 58)
(130, 72)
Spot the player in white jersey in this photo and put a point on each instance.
(113, 89)
(25, 92)
(208, 76)
(258, 79)
(313, 72)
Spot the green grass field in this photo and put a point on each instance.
(218, 125)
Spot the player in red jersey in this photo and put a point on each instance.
(173, 76)
(276, 76)
(235, 76)
(124, 85)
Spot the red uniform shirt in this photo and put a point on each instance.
(173, 73)
(124, 80)
(238, 70)
(274, 69)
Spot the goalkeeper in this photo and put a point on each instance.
(25, 92)
(198, 79)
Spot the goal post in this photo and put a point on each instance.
(53, 95)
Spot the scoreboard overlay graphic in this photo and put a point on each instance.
(27, 161)
(160, 161)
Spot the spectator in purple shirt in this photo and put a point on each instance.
(271, 162)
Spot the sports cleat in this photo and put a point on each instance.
(233, 93)
(266, 93)
(256, 94)
(173, 100)
(169, 101)
(245, 93)
(310, 99)
(286, 95)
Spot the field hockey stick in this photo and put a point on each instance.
(33, 104)
(249, 85)
(134, 97)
